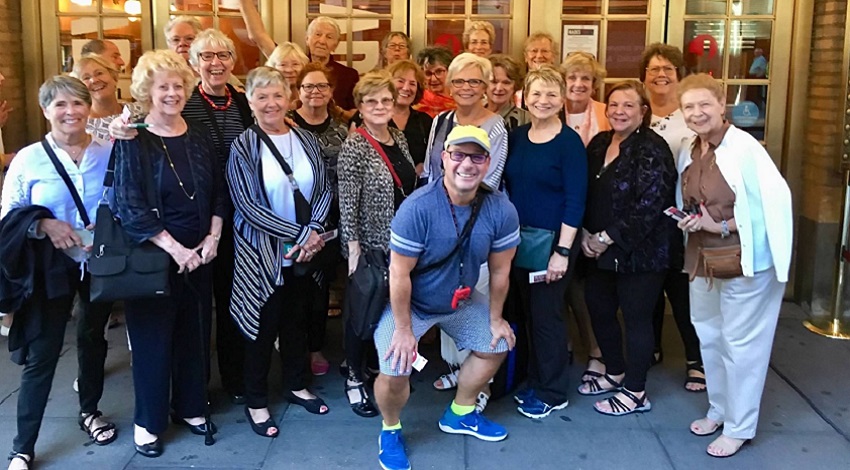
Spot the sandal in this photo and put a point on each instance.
(447, 381)
(592, 373)
(362, 407)
(618, 408)
(262, 429)
(95, 433)
(595, 389)
(695, 366)
(25, 458)
(316, 405)
(481, 402)
(724, 452)
(705, 431)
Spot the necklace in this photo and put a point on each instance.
(385, 142)
(210, 101)
(74, 154)
(171, 164)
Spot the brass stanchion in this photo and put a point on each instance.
(837, 326)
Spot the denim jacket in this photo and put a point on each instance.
(138, 219)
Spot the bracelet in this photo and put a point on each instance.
(215, 237)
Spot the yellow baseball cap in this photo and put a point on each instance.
(466, 135)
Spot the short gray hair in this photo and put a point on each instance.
(468, 59)
(264, 76)
(62, 84)
(190, 20)
(210, 37)
(323, 20)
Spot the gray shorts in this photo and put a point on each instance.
(469, 326)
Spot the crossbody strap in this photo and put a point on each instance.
(464, 235)
(296, 191)
(67, 179)
(378, 148)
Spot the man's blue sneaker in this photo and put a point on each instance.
(523, 395)
(473, 424)
(391, 454)
(535, 408)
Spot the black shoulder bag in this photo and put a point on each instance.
(120, 269)
(327, 256)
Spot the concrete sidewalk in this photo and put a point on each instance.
(805, 420)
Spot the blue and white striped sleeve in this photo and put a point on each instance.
(407, 232)
(507, 232)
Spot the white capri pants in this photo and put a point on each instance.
(736, 322)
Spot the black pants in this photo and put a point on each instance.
(43, 355)
(543, 307)
(229, 342)
(284, 315)
(676, 287)
(168, 351)
(635, 294)
(318, 320)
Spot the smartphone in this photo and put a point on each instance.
(288, 246)
(87, 236)
(675, 213)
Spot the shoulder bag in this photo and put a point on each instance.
(120, 270)
(535, 248)
(327, 256)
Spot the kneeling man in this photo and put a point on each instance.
(440, 236)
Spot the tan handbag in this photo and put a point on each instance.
(721, 262)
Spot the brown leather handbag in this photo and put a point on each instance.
(720, 262)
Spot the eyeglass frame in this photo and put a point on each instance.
(481, 157)
(373, 103)
(228, 56)
(668, 69)
(310, 87)
(461, 82)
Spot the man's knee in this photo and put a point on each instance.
(497, 357)
(394, 384)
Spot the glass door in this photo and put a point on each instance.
(747, 45)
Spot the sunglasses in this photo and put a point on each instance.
(476, 158)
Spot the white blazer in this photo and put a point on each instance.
(746, 165)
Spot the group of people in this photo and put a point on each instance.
(501, 194)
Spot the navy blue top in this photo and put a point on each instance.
(547, 182)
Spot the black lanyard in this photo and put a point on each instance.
(458, 232)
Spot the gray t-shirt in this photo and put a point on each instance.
(423, 228)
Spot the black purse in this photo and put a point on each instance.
(328, 256)
(121, 269)
(367, 292)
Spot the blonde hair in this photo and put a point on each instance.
(323, 20)
(485, 26)
(190, 20)
(582, 61)
(374, 82)
(264, 76)
(547, 74)
(536, 36)
(704, 81)
(152, 63)
(210, 38)
(285, 50)
(97, 59)
(468, 59)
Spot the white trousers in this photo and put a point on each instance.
(735, 322)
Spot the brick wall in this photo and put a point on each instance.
(822, 182)
(12, 66)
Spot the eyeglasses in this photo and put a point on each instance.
(177, 40)
(482, 42)
(476, 158)
(472, 82)
(309, 87)
(436, 72)
(538, 51)
(397, 46)
(668, 69)
(372, 103)
(223, 56)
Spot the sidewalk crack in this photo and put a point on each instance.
(811, 403)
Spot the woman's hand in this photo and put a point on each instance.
(208, 248)
(557, 268)
(61, 234)
(585, 244)
(595, 245)
(118, 130)
(308, 250)
(186, 259)
(353, 256)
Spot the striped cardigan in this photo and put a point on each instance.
(259, 233)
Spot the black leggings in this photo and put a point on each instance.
(676, 287)
(635, 294)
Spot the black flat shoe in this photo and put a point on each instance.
(197, 429)
(313, 405)
(262, 429)
(364, 406)
(237, 399)
(151, 449)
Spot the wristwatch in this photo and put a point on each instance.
(563, 251)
